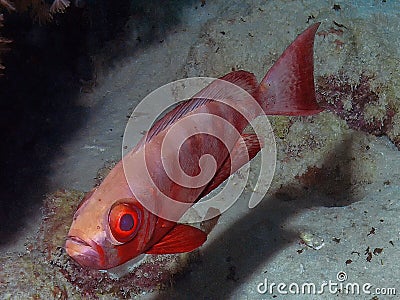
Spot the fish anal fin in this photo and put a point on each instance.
(182, 238)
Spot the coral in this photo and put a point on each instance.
(281, 125)
(40, 12)
(3, 43)
(46, 270)
(57, 210)
(152, 273)
(7, 4)
(59, 6)
(361, 104)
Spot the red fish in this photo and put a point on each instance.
(111, 227)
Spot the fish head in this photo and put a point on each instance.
(106, 233)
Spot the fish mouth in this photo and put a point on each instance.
(85, 253)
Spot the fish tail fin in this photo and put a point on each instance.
(288, 87)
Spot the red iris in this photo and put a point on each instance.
(124, 221)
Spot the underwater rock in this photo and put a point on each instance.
(362, 104)
(152, 273)
(45, 271)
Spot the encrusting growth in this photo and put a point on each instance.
(41, 12)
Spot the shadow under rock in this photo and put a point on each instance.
(45, 68)
(252, 240)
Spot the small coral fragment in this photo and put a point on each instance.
(311, 240)
(59, 6)
(8, 4)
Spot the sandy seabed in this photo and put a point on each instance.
(331, 214)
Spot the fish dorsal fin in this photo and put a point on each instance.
(288, 87)
(182, 238)
(178, 112)
(242, 79)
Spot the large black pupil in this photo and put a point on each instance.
(126, 222)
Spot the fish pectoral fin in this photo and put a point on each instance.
(244, 150)
(183, 238)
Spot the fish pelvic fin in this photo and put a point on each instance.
(288, 87)
(182, 238)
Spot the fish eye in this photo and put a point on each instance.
(124, 219)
